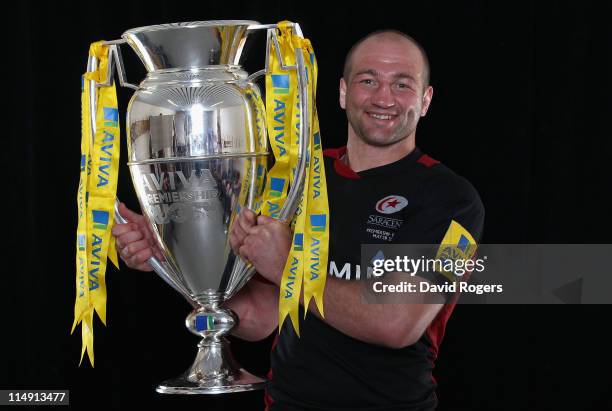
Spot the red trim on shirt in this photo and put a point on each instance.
(339, 166)
(427, 161)
(433, 364)
(268, 400)
(435, 331)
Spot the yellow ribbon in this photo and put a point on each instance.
(307, 262)
(316, 235)
(281, 88)
(96, 199)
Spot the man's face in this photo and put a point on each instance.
(384, 95)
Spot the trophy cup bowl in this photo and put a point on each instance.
(198, 154)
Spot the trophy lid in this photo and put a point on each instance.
(189, 45)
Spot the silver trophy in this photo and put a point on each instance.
(198, 154)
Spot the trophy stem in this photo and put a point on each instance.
(214, 371)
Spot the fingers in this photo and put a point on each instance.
(135, 240)
(263, 235)
(157, 252)
(241, 227)
(126, 233)
(247, 219)
(245, 252)
(136, 253)
(134, 246)
(267, 227)
(249, 215)
(249, 229)
(138, 261)
(235, 241)
(264, 219)
(236, 236)
(121, 229)
(238, 231)
(135, 218)
(128, 214)
(267, 246)
(259, 233)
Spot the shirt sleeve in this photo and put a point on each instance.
(452, 223)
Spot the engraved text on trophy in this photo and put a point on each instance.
(174, 197)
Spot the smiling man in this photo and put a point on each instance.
(385, 91)
(382, 189)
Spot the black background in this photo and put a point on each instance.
(521, 108)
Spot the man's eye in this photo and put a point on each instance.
(403, 86)
(367, 81)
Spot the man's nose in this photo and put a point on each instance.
(383, 96)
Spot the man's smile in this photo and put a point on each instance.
(381, 116)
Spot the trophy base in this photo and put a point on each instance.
(214, 371)
(239, 382)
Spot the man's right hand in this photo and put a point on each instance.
(135, 241)
(241, 228)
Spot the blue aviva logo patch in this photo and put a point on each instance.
(83, 161)
(317, 141)
(100, 219)
(463, 243)
(111, 117)
(280, 83)
(298, 242)
(318, 222)
(276, 186)
(81, 242)
(204, 323)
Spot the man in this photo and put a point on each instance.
(361, 356)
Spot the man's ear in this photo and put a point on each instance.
(342, 93)
(427, 96)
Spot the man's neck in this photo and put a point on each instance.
(361, 156)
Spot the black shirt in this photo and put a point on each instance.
(410, 201)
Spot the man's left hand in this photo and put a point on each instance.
(267, 246)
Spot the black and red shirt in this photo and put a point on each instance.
(410, 201)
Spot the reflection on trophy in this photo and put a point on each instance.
(198, 153)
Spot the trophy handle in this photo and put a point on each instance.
(297, 185)
(92, 65)
(115, 58)
(246, 271)
(243, 270)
